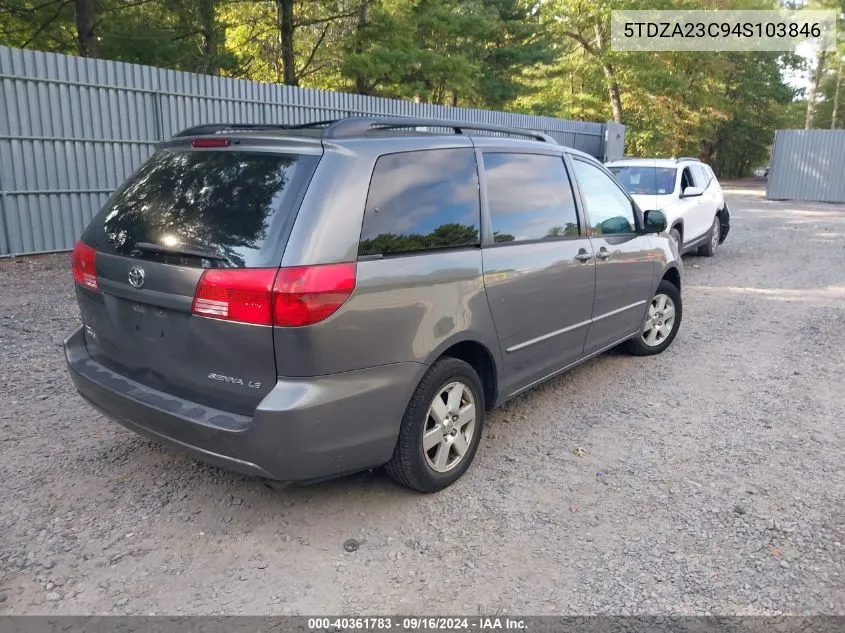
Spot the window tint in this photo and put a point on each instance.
(229, 206)
(529, 197)
(421, 201)
(609, 209)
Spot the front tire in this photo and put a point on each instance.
(441, 428)
(661, 322)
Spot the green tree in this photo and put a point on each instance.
(443, 236)
(181, 34)
(469, 52)
(289, 41)
(561, 230)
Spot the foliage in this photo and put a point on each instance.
(550, 57)
(444, 236)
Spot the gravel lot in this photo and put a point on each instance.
(713, 479)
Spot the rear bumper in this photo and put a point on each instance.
(305, 429)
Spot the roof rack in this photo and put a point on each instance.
(351, 127)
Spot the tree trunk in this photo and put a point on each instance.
(439, 93)
(613, 91)
(209, 36)
(610, 77)
(361, 85)
(284, 14)
(835, 113)
(814, 89)
(86, 40)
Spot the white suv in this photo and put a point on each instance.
(687, 192)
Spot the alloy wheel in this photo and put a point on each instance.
(715, 234)
(659, 321)
(449, 427)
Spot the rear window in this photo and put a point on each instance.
(205, 208)
(644, 180)
(421, 201)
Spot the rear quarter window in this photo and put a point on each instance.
(231, 205)
(422, 201)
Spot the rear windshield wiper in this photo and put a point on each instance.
(179, 250)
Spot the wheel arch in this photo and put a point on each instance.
(678, 223)
(672, 274)
(478, 355)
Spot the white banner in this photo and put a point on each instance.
(657, 30)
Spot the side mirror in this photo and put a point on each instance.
(692, 192)
(655, 222)
(616, 225)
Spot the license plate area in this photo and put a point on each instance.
(148, 323)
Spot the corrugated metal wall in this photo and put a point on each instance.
(807, 165)
(72, 129)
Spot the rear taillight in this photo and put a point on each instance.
(82, 261)
(290, 297)
(308, 294)
(243, 294)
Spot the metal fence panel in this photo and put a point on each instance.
(807, 165)
(72, 129)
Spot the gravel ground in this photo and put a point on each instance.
(712, 479)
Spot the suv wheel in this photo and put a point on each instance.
(661, 323)
(441, 429)
(709, 249)
(675, 234)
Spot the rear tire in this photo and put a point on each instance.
(441, 428)
(661, 322)
(709, 249)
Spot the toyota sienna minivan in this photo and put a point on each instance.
(299, 303)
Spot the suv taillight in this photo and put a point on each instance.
(290, 297)
(82, 262)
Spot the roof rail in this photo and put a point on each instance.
(351, 127)
(218, 128)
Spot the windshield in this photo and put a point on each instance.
(644, 180)
(209, 209)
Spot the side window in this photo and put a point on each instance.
(529, 197)
(702, 178)
(422, 201)
(686, 180)
(609, 208)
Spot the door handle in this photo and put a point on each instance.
(603, 253)
(583, 256)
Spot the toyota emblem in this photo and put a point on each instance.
(136, 276)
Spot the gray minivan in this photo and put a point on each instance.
(299, 303)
